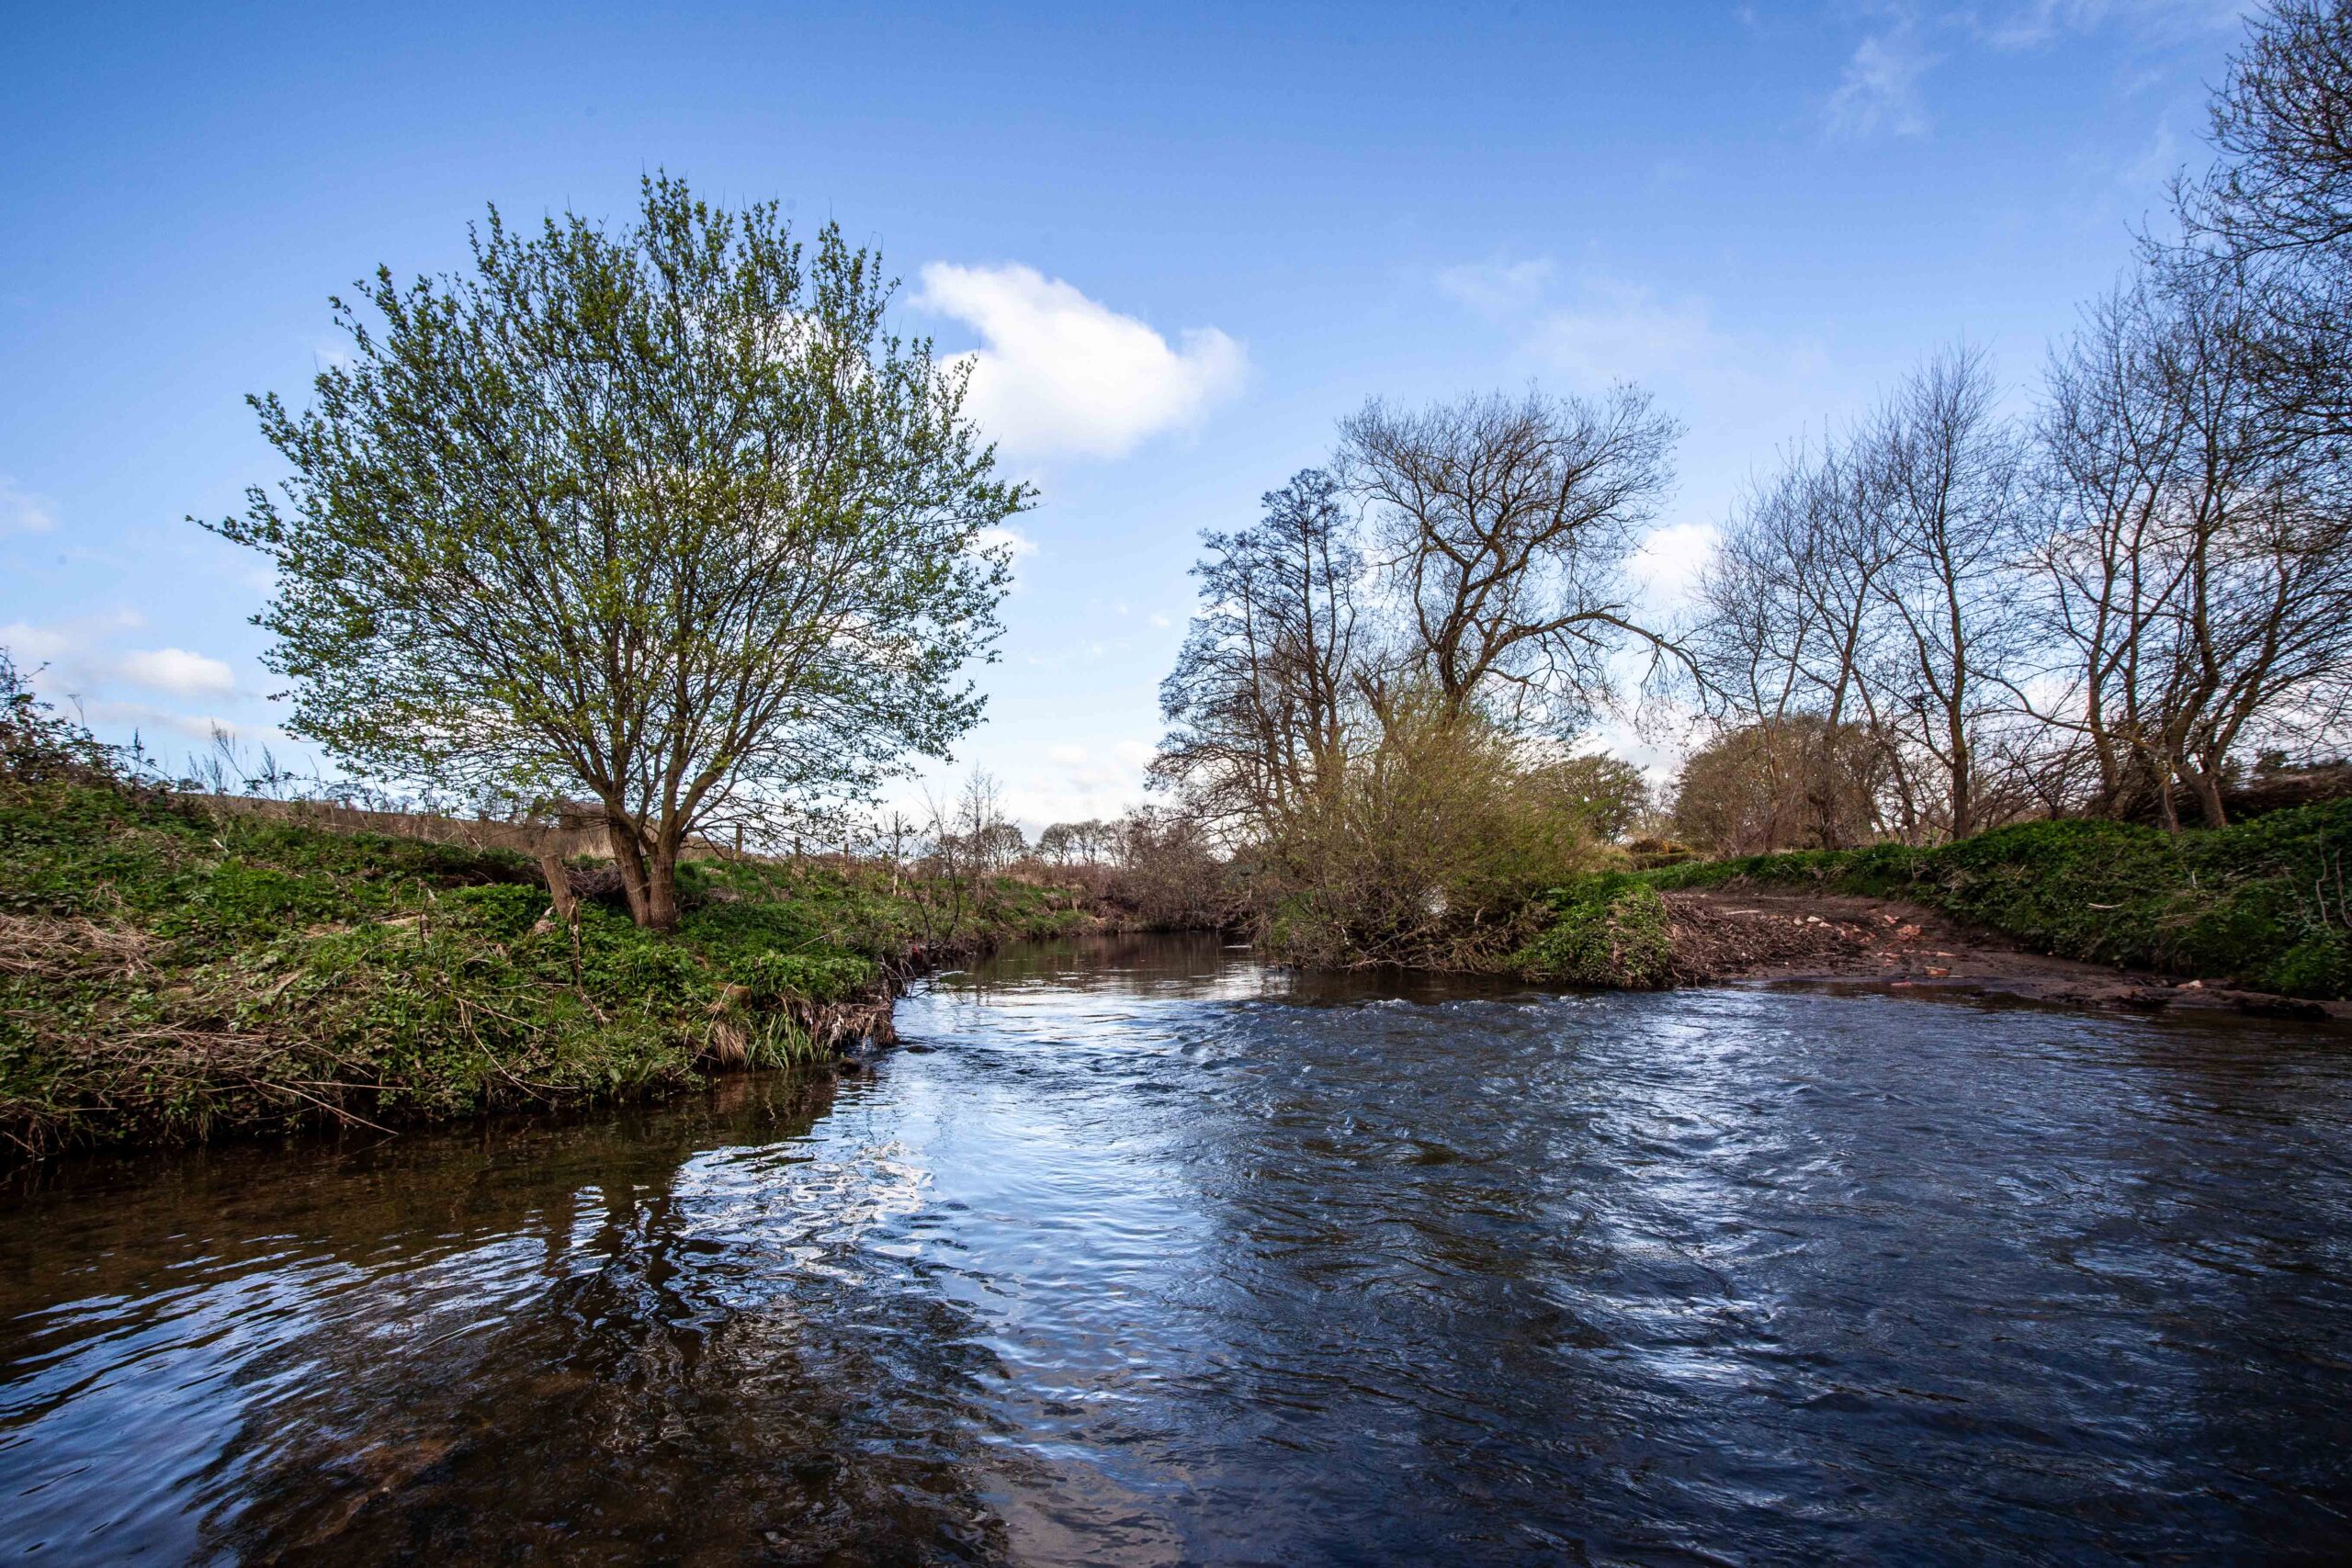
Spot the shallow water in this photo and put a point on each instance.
(1139, 1253)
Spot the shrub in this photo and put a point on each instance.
(1609, 930)
(1433, 852)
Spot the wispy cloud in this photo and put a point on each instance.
(1738, 391)
(1881, 91)
(1883, 88)
(2035, 23)
(1061, 375)
(21, 511)
(1614, 330)
(1498, 287)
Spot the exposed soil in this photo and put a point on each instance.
(1736, 934)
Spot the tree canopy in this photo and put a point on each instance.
(666, 515)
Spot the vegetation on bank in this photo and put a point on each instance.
(2263, 903)
(169, 971)
(1609, 930)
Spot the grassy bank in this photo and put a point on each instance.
(169, 972)
(2262, 904)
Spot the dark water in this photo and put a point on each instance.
(1147, 1255)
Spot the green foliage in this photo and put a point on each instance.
(1608, 930)
(592, 516)
(2263, 902)
(167, 973)
(1433, 852)
(796, 976)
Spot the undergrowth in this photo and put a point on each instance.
(1608, 930)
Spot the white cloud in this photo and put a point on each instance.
(69, 647)
(1670, 560)
(1881, 87)
(177, 672)
(1014, 542)
(77, 663)
(1063, 375)
(21, 511)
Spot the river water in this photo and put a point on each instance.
(1140, 1253)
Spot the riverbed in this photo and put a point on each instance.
(1139, 1252)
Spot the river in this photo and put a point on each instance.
(1141, 1253)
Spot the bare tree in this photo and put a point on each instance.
(1791, 627)
(966, 841)
(1503, 527)
(2276, 212)
(1944, 467)
(1257, 705)
(2198, 570)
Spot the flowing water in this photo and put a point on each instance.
(1141, 1253)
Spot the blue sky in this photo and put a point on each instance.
(1182, 240)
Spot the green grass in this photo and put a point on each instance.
(1608, 930)
(2260, 903)
(169, 974)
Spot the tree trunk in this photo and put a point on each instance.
(661, 888)
(2206, 784)
(628, 857)
(567, 903)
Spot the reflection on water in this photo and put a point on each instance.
(1142, 1253)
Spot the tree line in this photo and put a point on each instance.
(1955, 614)
(1966, 607)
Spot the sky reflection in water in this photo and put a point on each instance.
(1142, 1253)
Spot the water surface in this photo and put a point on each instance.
(1140, 1253)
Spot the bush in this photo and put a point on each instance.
(1606, 930)
(1434, 852)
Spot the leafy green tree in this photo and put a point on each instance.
(665, 516)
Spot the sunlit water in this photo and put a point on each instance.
(1142, 1254)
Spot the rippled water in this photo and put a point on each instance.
(1141, 1254)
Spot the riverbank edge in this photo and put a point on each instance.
(2255, 914)
(173, 975)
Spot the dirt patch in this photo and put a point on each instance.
(1731, 934)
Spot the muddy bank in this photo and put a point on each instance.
(1719, 935)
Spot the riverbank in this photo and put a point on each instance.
(2253, 916)
(1750, 934)
(170, 972)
